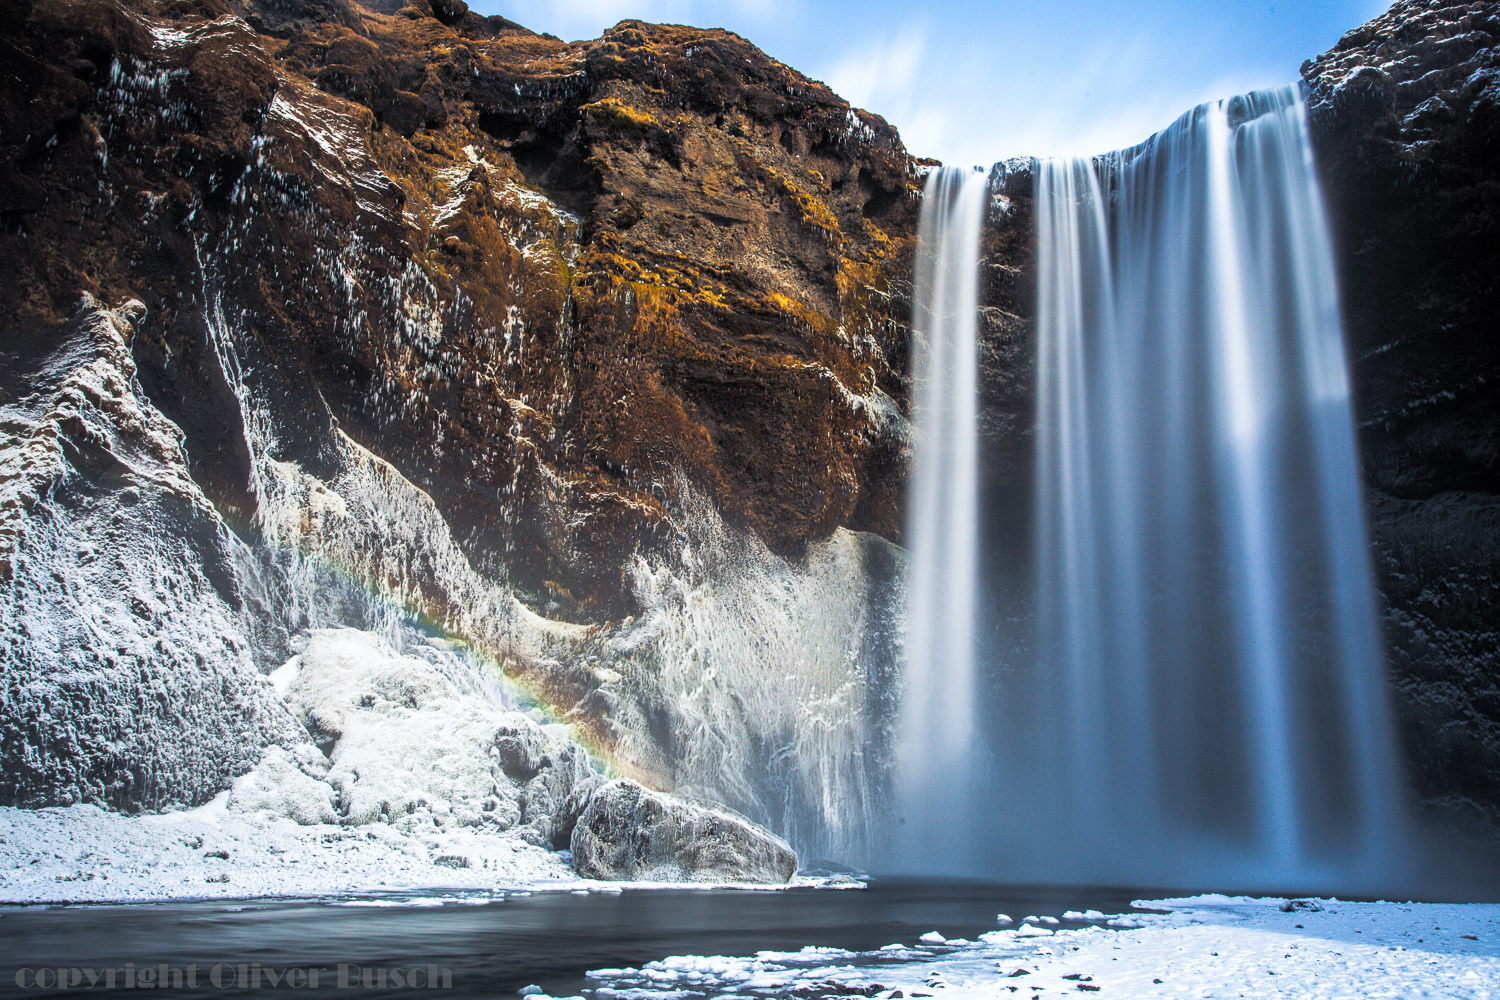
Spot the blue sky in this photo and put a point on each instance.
(974, 82)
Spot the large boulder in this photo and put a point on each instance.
(630, 833)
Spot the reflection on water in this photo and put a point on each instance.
(496, 945)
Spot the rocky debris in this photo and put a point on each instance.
(630, 833)
(128, 677)
(1405, 114)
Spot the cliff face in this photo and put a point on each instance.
(647, 254)
(1405, 111)
(530, 341)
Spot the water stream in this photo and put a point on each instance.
(936, 813)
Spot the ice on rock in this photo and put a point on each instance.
(412, 745)
(131, 679)
(932, 937)
(1085, 915)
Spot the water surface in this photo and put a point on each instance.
(494, 947)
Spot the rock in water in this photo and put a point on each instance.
(631, 833)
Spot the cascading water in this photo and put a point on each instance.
(936, 752)
(1208, 694)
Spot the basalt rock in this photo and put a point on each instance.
(1405, 114)
(1007, 362)
(127, 672)
(714, 294)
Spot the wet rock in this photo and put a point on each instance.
(633, 834)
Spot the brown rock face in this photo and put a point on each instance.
(718, 293)
(450, 313)
(1406, 116)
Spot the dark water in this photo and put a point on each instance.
(496, 948)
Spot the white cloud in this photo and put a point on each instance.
(973, 84)
(882, 71)
(979, 103)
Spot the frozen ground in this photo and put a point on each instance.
(1206, 946)
(84, 854)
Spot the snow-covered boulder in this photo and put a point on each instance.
(630, 833)
(417, 741)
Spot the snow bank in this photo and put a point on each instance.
(1205, 947)
(84, 854)
(281, 786)
(421, 777)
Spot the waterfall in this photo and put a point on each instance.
(937, 751)
(1208, 694)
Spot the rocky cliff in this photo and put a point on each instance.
(433, 321)
(1405, 112)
